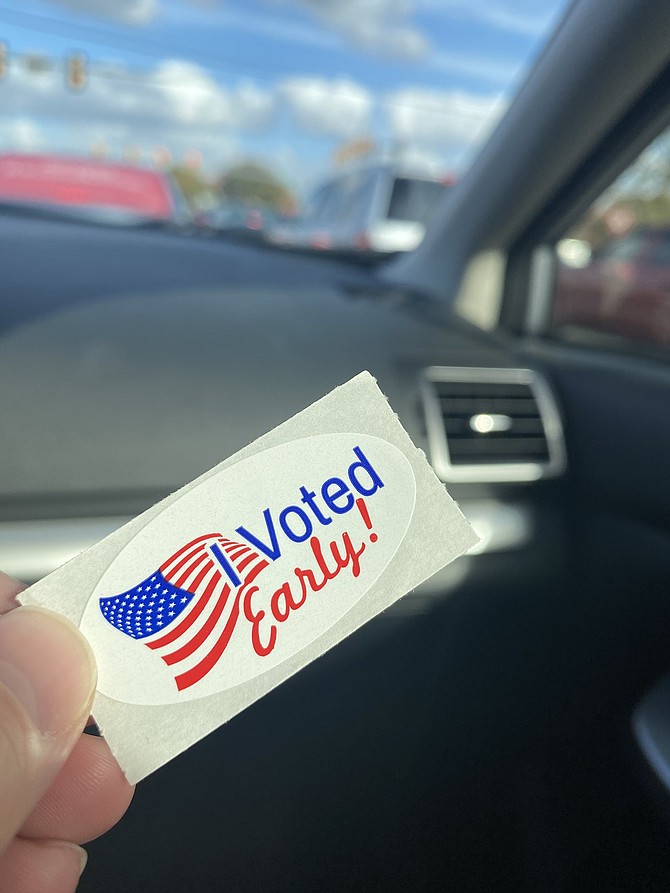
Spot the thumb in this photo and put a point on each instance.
(47, 681)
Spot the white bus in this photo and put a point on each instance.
(382, 208)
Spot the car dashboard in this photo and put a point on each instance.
(131, 362)
(114, 396)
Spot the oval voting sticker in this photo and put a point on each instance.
(248, 568)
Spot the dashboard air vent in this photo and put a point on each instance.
(492, 424)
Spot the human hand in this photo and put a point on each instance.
(58, 788)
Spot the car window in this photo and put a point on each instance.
(624, 248)
(359, 199)
(346, 192)
(317, 203)
(327, 204)
(660, 255)
(613, 266)
(414, 199)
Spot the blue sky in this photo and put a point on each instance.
(287, 82)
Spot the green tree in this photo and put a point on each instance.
(252, 183)
(192, 184)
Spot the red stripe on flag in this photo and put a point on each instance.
(190, 619)
(193, 587)
(203, 558)
(185, 548)
(246, 562)
(200, 670)
(170, 572)
(167, 564)
(186, 566)
(237, 550)
(202, 634)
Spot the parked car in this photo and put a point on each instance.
(235, 218)
(622, 288)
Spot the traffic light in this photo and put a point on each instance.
(4, 60)
(76, 71)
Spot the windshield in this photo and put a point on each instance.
(225, 107)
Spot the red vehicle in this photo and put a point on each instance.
(83, 183)
(624, 289)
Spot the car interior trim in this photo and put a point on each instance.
(519, 472)
(651, 728)
(540, 290)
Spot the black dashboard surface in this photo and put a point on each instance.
(133, 361)
(420, 748)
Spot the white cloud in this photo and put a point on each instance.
(175, 92)
(429, 162)
(378, 26)
(338, 108)
(253, 106)
(180, 105)
(185, 92)
(177, 104)
(445, 119)
(128, 12)
(526, 17)
(22, 134)
(218, 150)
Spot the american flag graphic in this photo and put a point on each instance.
(188, 608)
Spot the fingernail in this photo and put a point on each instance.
(48, 666)
(83, 859)
(82, 855)
(78, 852)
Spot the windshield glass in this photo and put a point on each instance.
(239, 111)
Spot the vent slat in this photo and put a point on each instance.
(483, 389)
(509, 447)
(487, 424)
(460, 426)
(516, 406)
(522, 439)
